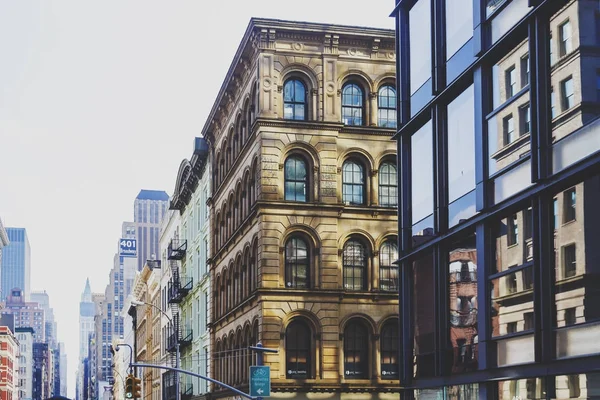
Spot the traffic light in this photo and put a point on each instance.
(129, 383)
(137, 387)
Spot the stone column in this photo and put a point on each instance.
(372, 109)
(374, 192)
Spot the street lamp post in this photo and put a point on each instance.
(136, 303)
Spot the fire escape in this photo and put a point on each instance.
(178, 288)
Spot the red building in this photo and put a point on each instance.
(9, 351)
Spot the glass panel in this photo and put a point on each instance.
(512, 248)
(297, 346)
(582, 386)
(420, 42)
(355, 263)
(512, 182)
(388, 271)
(459, 392)
(576, 146)
(462, 274)
(530, 388)
(518, 350)
(461, 145)
(388, 179)
(356, 355)
(462, 209)
(577, 287)
(512, 302)
(459, 24)
(422, 176)
(508, 138)
(423, 294)
(508, 17)
(389, 350)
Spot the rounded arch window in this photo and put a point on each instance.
(388, 271)
(353, 183)
(296, 179)
(353, 104)
(386, 107)
(389, 350)
(298, 350)
(297, 263)
(356, 351)
(355, 265)
(294, 100)
(388, 185)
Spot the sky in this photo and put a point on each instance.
(101, 99)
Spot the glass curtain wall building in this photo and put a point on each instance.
(499, 169)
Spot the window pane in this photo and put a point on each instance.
(461, 145)
(387, 185)
(420, 43)
(422, 173)
(462, 285)
(582, 386)
(388, 271)
(355, 265)
(508, 17)
(459, 25)
(298, 350)
(389, 350)
(531, 388)
(423, 295)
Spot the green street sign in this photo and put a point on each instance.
(260, 381)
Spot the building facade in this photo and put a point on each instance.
(192, 190)
(26, 313)
(50, 325)
(87, 311)
(303, 210)
(26, 365)
(3, 243)
(499, 144)
(9, 359)
(15, 270)
(43, 371)
(148, 210)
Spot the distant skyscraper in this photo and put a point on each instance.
(27, 314)
(50, 326)
(149, 208)
(16, 266)
(3, 243)
(86, 320)
(63, 369)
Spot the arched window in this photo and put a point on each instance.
(386, 104)
(297, 265)
(353, 183)
(296, 179)
(388, 271)
(355, 265)
(294, 100)
(388, 185)
(356, 351)
(298, 350)
(352, 104)
(389, 350)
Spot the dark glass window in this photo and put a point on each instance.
(389, 350)
(388, 271)
(423, 317)
(552, 104)
(355, 265)
(525, 119)
(298, 350)
(509, 129)
(353, 180)
(420, 44)
(524, 71)
(356, 351)
(422, 180)
(388, 185)
(511, 82)
(459, 26)
(513, 230)
(569, 204)
(294, 100)
(598, 82)
(567, 93)
(570, 316)
(386, 103)
(569, 261)
(566, 44)
(297, 265)
(352, 104)
(296, 179)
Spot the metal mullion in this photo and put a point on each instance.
(439, 45)
(440, 168)
(511, 270)
(484, 302)
(440, 309)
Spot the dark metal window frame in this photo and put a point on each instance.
(356, 344)
(298, 345)
(292, 263)
(350, 107)
(352, 265)
(387, 122)
(352, 185)
(294, 102)
(388, 200)
(390, 269)
(297, 159)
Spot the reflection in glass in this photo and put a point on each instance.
(352, 104)
(469, 391)
(355, 265)
(576, 252)
(353, 183)
(386, 105)
(530, 388)
(461, 145)
(420, 44)
(388, 271)
(507, 17)
(294, 100)
(582, 386)
(459, 25)
(298, 350)
(512, 249)
(422, 179)
(295, 179)
(462, 301)
(296, 263)
(388, 185)
(423, 295)
(389, 350)
(356, 356)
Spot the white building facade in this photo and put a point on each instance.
(25, 380)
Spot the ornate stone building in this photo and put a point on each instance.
(303, 211)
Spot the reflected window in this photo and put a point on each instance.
(355, 265)
(552, 104)
(353, 183)
(388, 185)
(513, 230)
(570, 316)
(566, 44)
(389, 350)
(388, 271)
(525, 119)
(423, 317)
(569, 261)
(459, 25)
(294, 100)
(356, 351)
(296, 179)
(419, 26)
(298, 350)
(569, 203)
(386, 107)
(567, 93)
(524, 71)
(352, 104)
(511, 82)
(297, 264)
(598, 82)
(509, 129)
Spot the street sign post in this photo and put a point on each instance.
(260, 381)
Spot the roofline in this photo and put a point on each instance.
(289, 25)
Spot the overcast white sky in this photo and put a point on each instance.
(101, 99)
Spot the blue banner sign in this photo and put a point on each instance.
(127, 248)
(260, 381)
